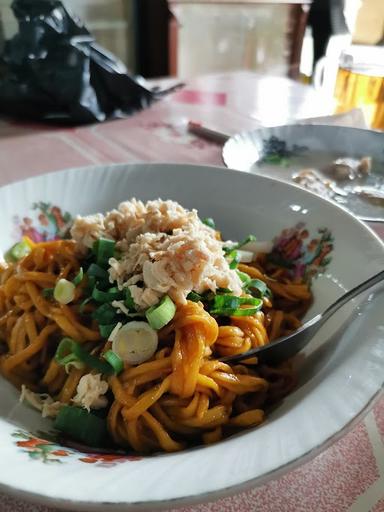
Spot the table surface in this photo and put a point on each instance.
(350, 474)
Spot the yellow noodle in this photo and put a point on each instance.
(184, 395)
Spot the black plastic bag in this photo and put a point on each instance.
(55, 71)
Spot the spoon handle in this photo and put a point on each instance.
(360, 288)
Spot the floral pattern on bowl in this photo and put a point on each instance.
(302, 255)
(44, 222)
(276, 151)
(49, 451)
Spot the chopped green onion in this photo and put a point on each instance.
(237, 312)
(244, 277)
(232, 301)
(47, 293)
(92, 361)
(104, 249)
(235, 261)
(129, 302)
(18, 252)
(220, 291)
(208, 221)
(225, 301)
(105, 314)
(83, 304)
(250, 300)
(160, 315)
(114, 360)
(79, 277)
(135, 315)
(229, 305)
(108, 296)
(259, 286)
(91, 284)
(106, 330)
(81, 425)
(249, 238)
(135, 342)
(64, 353)
(194, 297)
(64, 291)
(97, 272)
(69, 351)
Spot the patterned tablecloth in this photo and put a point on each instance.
(350, 474)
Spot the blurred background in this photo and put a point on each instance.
(185, 38)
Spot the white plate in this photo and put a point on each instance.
(311, 146)
(338, 380)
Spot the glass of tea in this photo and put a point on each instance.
(360, 83)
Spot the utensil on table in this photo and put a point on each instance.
(287, 346)
(206, 133)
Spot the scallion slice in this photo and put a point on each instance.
(64, 291)
(233, 247)
(249, 238)
(135, 342)
(18, 251)
(160, 315)
(47, 293)
(243, 276)
(69, 351)
(194, 297)
(251, 310)
(108, 296)
(258, 286)
(235, 259)
(79, 277)
(81, 425)
(220, 291)
(225, 302)
(105, 314)
(229, 305)
(129, 302)
(97, 272)
(105, 330)
(64, 353)
(208, 221)
(83, 304)
(114, 360)
(104, 249)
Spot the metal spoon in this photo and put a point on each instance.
(287, 346)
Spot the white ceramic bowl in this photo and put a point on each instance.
(341, 374)
(312, 147)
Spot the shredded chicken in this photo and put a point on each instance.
(165, 249)
(90, 392)
(131, 219)
(189, 259)
(41, 401)
(86, 230)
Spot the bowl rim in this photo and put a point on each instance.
(237, 138)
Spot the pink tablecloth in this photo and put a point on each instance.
(350, 474)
